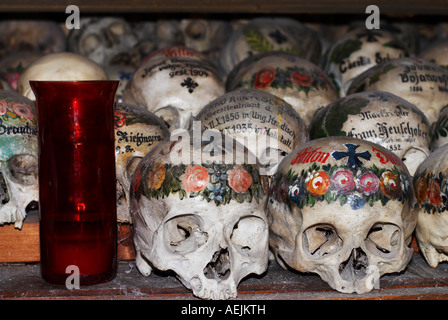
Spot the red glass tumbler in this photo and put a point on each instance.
(77, 195)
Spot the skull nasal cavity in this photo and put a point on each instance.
(219, 267)
(355, 267)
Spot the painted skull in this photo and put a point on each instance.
(379, 117)
(59, 66)
(266, 124)
(342, 208)
(420, 82)
(18, 158)
(270, 34)
(299, 82)
(174, 83)
(357, 51)
(437, 53)
(105, 40)
(430, 183)
(137, 131)
(204, 217)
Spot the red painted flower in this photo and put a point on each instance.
(195, 179)
(12, 79)
(390, 184)
(368, 183)
(22, 110)
(304, 80)
(3, 107)
(421, 190)
(239, 179)
(318, 183)
(263, 78)
(343, 180)
(120, 119)
(434, 193)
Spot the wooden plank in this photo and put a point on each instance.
(22, 245)
(398, 7)
(418, 281)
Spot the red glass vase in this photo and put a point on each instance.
(77, 195)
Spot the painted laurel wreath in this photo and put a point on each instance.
(213, 182)
(356, 187)
(431, 193)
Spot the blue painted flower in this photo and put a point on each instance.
(356, 202)
(216, 192)
(297, 191)
(217, 173)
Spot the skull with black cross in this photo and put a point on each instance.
(174, 83)
(342, 208)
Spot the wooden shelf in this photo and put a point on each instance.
(398, 7)
(418, 281)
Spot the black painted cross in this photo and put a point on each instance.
(352, 160)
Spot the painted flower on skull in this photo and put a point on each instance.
(431, 192)
(239, 179)
(156, 176)
(352, 183)
(17, 110)
(195, 179)
(212, 182)
(263, 78)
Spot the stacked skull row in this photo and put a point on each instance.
(236, 137)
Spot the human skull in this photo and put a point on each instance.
(379, 117)
(357, 51)
(137, 131)
(437, 53)
(18, 158)
(342, 208)
(174, 83)
(299, 82)
(59, 66)
(105, 40)
(205, 220)
(270, 34)
(266, 124)
(420, 82)
(40, 36)
(206, 36)
(430, 183)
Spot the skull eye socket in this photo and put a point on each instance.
(384, 239)
(248, 233)
(184, 234)
(90, 43)
(321, 240)
(23, 169)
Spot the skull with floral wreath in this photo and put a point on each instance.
(344, 209)
(205, 219)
